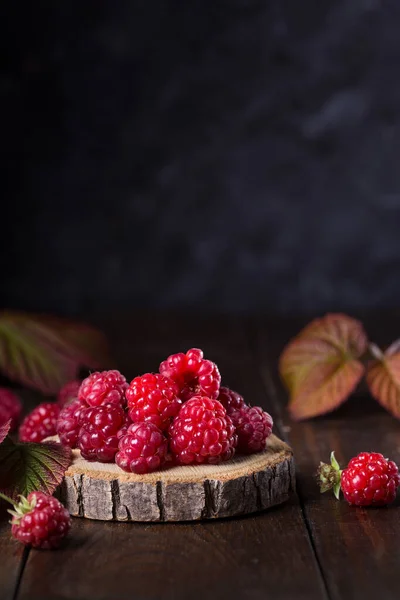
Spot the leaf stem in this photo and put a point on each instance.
(375, 352)
(6, 498)
(393, 348)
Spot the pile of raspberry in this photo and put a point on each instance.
(180, 415)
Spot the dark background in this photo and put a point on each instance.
(225, 155)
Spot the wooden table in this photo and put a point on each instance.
(313, 547)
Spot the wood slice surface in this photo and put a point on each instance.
(243, 485)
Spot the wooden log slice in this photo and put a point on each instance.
(243, 485)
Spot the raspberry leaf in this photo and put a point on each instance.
(383, 379)
(25, 468)
(45, 353)
(4, 429)
(320, 366)
(89, 345)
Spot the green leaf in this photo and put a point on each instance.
(334, 462)
(4, 429)
(45, 352)
(336, 490)
(25, 468)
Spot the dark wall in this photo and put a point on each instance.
(227, 155)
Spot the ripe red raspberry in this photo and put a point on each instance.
(370, 479)
(100, 431)
(40, 423)
(142, 449)
(107, 387)
(40, 521)
(194, 375)
(253, 427)
(230, 400)
(68, 393)
(153, 398)
(10, 408)
(68, 422)
(202, 432)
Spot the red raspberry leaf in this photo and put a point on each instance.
(4, 429)
(28, 467)
(383, 379)
(320, 366)
(45, 353)
(89, 345)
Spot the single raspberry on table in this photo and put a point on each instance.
(370, 479)
(68, 393)
(230, 400)
(40, 423)
(39, 520)
(10, 408)
(142, 449)
(153, 398)
(202, 432)
(106, 387)
(68, 422)
(101, 429)
(253, 426)
(194, 375)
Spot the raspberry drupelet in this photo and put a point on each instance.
(194, 375)
(101, 428)
(68, 393)
(142, 449)
(230, 400)
(106, 387)
(10, 408)
(202, 433)
(68, 422)
(153, 398)
(40, 423)
(40, 521)
(253, 426)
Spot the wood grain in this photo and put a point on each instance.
(12, 558)
(244, 485)
(356, 548)
(256, 557)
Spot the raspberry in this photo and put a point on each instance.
(194, 375)
(68, 392)
(230, 400)
(370, 480)
(40, 521)
(253, 426)
(100, 431)
(142, 449)
(202, 432)
(153, 398)
(107, 387)
(10, 408)
(40, 423)
(68, 422)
